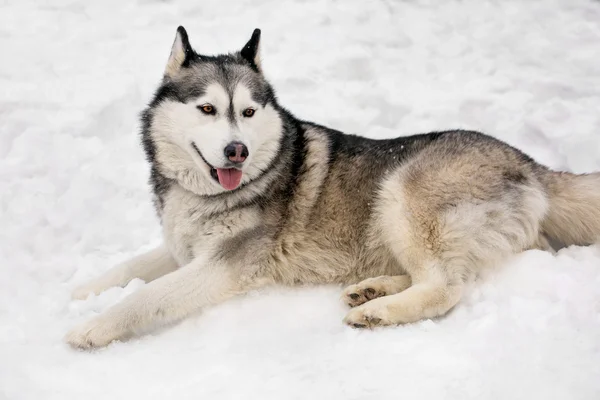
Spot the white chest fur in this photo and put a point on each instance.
(191, 232)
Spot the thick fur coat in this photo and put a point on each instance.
(250, 196)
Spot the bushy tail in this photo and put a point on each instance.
(574, 215)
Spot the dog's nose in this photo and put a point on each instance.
(236, 152)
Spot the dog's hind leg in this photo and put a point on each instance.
(148, 267)
(369, 289)
(443, 243)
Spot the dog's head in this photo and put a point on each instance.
(214, 123)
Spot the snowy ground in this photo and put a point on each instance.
(74, 199)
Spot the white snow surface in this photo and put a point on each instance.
(75, 199)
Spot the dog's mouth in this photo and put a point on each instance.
(228, 178)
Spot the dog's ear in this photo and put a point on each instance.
(251, 51)
(181, 53)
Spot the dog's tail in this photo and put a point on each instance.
(574, 212)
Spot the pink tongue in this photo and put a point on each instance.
(229, 178)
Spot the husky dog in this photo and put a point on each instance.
(248, 196)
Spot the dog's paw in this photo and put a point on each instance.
(366, 317)
(83, 291)
(369, 289)
(95, 286)
(92, 334)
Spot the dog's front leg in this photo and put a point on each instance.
(163, 301)
(147, 266)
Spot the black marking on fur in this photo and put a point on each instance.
(244, 245)
(246, 203)
(299, 155)
(161, 186)
(167, 91)
(380, 152)
(251, 48)
(514, 176)
(190, 252)
(187, 48)
(213, 170)
(293, 153)
(231, 111)
(370, 292)
(159, 183)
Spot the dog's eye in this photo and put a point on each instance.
(248, 112)
(207, 109)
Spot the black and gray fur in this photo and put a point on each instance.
(406, 221)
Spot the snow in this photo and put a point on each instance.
(74, 199)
